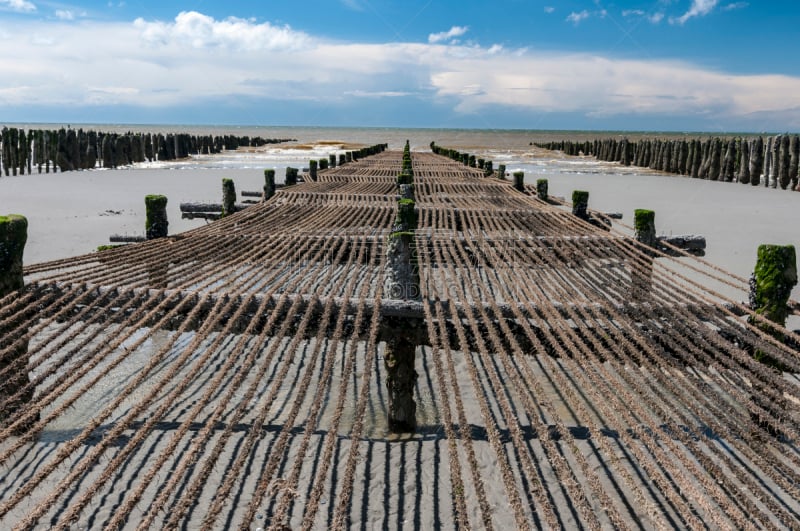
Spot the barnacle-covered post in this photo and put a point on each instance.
(13, 236)
(291, 176)
(580, 204)
(402, 335)
(774, 277)
(228, 197)
(644, 226)
(312, 169)
(501, 171)
(156, 223)
(519, 180)
(269, 184)
(541, 189)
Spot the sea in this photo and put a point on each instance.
(73, 213)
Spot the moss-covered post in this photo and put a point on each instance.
(773, 279)
(501, 171)
(269, 184)
(644, 226)
(228, 197)
(332, 160)
(13, 236)
(401, 335)
(291, 176)
(156, 223)
(541, 189)
(641, 268)
(312, 169)
(519, 181)
(580, 203)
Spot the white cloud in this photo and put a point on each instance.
(699, 8)
(65, 14)
(379, 94)
(549, 9)
(735, 5)
(455, 31)
(20, 6)
(577, 18)
(201, 31)
(202, 61)
(654, 18)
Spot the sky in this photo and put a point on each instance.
(659, 65)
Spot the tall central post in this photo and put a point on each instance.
(402, 335)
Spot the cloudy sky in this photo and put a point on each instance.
(685, 65)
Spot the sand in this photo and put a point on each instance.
(404, 481)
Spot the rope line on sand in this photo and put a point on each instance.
(228, 374)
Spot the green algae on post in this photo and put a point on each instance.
(13, 236)
(541, 189)
(269, 184)
(156, 223)
(519, 181)
(644, 225)
(774, 277)
(228, 197)
(580, 203)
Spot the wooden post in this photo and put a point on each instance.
(291, 176)
(501, 171)
(541, 189)
(312, 169)
(644, 225)
(228, 197)
(519, 181)
(771, 285)
(13, 236)
(269, 184)
(401, 335)
(156, 223)
(774, 277)
(580, 203)
(332, 160)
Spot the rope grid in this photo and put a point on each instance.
(231, 376)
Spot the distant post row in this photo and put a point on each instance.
(70, 149)
(772, 162)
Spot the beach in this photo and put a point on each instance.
(295, 409)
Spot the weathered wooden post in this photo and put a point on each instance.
(401, 335)
(13, 236)
(519, 180)
(501, 171)
(228, 197)
(774, 277)
(332, 160)
(771, 285)
(291, 176)
(644, 226)
(312, 169)
(156, 223)
(342, 159)
(756, 160)
(580, 204)
(348, 156)
(269, 184)
(541, 189)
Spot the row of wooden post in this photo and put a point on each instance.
(772, 162)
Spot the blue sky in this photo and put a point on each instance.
(685, 65)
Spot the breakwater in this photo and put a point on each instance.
(68, 149)
(771, 161)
